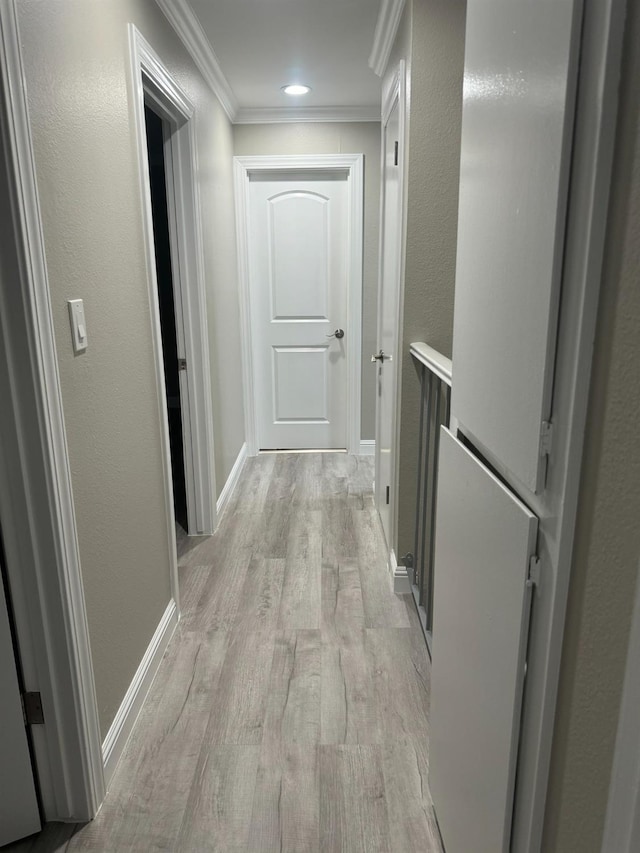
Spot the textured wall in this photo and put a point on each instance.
(76, 64)
(431, 38)
(607, 549)
(337, 138)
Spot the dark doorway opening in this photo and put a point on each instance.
(166, 300)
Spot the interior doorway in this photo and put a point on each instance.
(157, 132)
(20, 814)
(174, 248)
(300, 235)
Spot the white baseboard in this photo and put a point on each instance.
(399, 576)
(367, 447)
(232, 482)
(125, 719)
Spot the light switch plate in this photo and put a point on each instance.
(78, 324)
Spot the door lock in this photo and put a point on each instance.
(339, 333)
(381, 357)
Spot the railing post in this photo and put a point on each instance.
(432, 521)
(425, 491)
(416, 550)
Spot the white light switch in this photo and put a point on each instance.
(78, 324)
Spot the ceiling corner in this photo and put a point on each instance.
(386, 29)
(188, 28)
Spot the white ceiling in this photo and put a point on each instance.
(261, 45)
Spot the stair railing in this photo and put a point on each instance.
(434, 370)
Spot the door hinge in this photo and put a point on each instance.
(387, 494)
(546, 438)
(32, 709)
(182, 364)
(534, 571)
(395, 153)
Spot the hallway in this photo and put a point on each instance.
(291, 709)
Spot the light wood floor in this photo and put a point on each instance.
(291, 710)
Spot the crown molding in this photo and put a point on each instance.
(278, 115)
(386, 29)
(188, 27)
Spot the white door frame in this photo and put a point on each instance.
(395, 94)
(152, 83)
(40, 534)
(591, 160)
(353, 165)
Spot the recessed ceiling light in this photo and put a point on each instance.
(296, 89)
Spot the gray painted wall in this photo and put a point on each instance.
(607, 550)
(76, 64)
(337, 138)
(431, 40)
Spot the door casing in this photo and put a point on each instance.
(39, 525)
(152, 83)
(353, 165)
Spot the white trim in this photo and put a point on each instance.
(386, 29)
(139, 53)
(353, 164)
(232, 481)
(399, 575)
(593, 142)
(277, 115)
(367, 447)
(151, 81)
(433, 360)
(190, 31)
(128, 712)
(622, 825)
(52, 625)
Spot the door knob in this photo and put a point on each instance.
(381, 357)
(339, 333)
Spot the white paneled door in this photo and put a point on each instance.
(517, 122)
(298, 273)
(386, 364)
(19, 815)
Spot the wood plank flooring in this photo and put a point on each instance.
(291, 710)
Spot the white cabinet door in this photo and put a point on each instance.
(388, 318)
(19, 814)
(516, 136)
(484, 541)
(298, 231)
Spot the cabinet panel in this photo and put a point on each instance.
(484, 539)
(516, 130)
